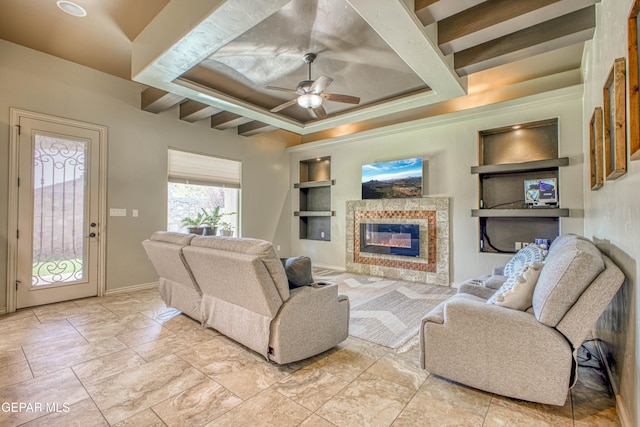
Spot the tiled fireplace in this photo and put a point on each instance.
(399, 239)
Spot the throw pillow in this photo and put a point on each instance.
(298, 271)
(517, 291)
(525, 256)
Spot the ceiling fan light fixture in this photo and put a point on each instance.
(71, 8)
(310, 100)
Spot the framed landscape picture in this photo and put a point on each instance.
(393, 179)
(634, 98)
(596, 149)
(615, 123)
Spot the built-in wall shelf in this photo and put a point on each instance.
(520, 213)
(314, 184)
(521, 167)
(314, 213)
(507, 158)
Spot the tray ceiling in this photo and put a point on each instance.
(404, 59)
(271, 53)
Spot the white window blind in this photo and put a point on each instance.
(198, 169)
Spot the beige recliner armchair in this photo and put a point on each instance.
(239, 287)
(529, 355)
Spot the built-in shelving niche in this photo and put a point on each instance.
(507, 157)
(315, 199)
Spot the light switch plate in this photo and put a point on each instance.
(117, 212)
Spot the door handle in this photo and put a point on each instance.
(93, 224)
(92, 234)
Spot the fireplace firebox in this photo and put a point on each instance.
(391, 239)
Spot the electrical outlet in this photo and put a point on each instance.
(518, 246)
(322, 234)
(134, 213)
(278, 248)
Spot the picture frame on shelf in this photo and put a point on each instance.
(596, 149)
(614, 121)
(634, 82)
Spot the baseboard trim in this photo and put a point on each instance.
(3, 310)
(622, 412)
(132, 288)
(330, 267)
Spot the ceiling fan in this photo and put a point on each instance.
(311, 93)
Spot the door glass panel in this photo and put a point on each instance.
(59, 189)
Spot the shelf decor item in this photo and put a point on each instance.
(596, 149)
(634, 81)
(615, 127)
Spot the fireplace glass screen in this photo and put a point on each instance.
(391, 239)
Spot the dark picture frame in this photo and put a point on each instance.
(596, 149)
(634, 81)
(614, 121)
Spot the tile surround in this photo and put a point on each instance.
(177, 373)
(432, 215)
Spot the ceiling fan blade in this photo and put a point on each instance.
(318, 112)
(341, 98)
(321, 84)
(281, 89)
(285, 105)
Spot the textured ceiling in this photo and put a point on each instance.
(349, 51)
(403, 59)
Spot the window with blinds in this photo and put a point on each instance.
(199, 184)
(199, 169)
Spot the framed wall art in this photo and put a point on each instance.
(615, 123)
(634, 78)
(596, 149)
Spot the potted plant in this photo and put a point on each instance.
(195, 224)
(211, 220)
(226, 229)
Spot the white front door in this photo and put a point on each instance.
(58, 212)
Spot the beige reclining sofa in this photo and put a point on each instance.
(530, 354)
(239, 287)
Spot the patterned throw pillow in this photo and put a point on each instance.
(517, 291)
(525, 256)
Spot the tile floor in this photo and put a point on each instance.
(128, 360)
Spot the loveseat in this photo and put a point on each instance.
(528, 353)
(239, 287)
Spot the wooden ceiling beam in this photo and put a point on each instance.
(430, 11)
(157, 100)
(563, 31)
(192, 111)
(493, 19)
(254, 128)
(226, 120)
(421, 8)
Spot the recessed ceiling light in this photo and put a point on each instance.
(71, 8)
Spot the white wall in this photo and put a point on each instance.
(449, 145)
(612, 214)
(137, 156)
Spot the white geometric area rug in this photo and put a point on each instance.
(385, 312)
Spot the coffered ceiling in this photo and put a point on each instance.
(403, 59)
